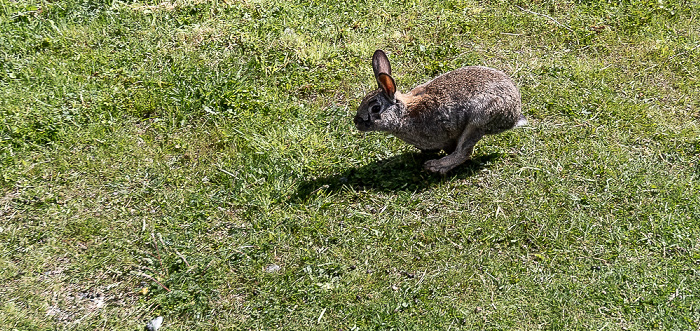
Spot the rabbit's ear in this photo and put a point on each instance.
(387, 84)
(380, 63)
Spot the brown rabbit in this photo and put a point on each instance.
(451, 112)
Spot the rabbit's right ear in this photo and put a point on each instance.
(380, 63)
(387, 84)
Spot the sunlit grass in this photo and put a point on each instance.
(197, 160)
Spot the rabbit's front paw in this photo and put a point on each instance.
(441, 166)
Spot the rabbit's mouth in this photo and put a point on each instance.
(362, 124)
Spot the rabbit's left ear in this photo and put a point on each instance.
(387, 84)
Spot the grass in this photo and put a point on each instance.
(197, 160)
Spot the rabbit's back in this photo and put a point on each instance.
(473, 95)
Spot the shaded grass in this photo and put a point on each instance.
(162, 158)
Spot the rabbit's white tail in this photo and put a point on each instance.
(521, 121)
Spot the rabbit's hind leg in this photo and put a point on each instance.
(462, 153)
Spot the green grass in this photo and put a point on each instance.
(164, 158)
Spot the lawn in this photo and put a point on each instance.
(197, 160)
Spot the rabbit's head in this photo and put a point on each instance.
(378, 109)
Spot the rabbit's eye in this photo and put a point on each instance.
(376, 108)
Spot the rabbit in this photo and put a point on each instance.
(452, 112)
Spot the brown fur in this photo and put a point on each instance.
(452, 112)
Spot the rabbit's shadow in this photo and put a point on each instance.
(403, 172)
